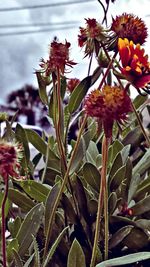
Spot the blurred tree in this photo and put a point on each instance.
(27, 102)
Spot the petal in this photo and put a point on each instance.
(142, 81)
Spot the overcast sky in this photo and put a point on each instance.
(20, 54)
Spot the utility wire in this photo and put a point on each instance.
(65, 3)
(26, 25)
(36, 31)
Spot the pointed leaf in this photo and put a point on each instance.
(53, 248)
(35, 190)
(131, 258)
(20, 199)
(83, 145)
(119, 236)
(42, 82)
(18, 260)
(21, 137)
(91, 176)
(29, 227)
(76, 256)
(142, 206)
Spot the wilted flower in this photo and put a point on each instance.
(135, 65)
(90, 36)
(130, 27)
(109, 105)
(72, 83)
(10, 155)
(58, 58)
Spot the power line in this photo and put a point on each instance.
(36, 31)
(25, 25)
(45, 5)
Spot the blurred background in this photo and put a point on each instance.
(28, 27)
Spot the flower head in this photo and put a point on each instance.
(109, 105)
(90, 36)
(130, 27)
(72, 83)
(58, 58)
(9, 159)
(135, 65)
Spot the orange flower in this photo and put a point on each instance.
(130, 27)
(58, 58)
(135, 65)
(72, 83)
(109, 105)
(90, 36)
(9, 160)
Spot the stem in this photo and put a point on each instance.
(102, 197)
(140, 124)
(90, 65)
(64, 182)
(107, 71)
(4, 223)
(105, 150)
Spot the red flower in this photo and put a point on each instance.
(90, 36)
(130, 27)
(9, 160)
(58, 58)
(135, 65)
(109, 105)
(72, 83)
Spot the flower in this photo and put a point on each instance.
(90, 36)
(10, 155)
(58, 58)
(72, 83)
(135, 65)
(130, 27)
(109, 105)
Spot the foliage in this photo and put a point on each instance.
(52, 220)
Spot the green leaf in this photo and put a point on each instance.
(50, 201)
(139, 100)
(112, 202)
(36, 141)
(118, 237)
(20, 199)
(80, 91)
(117, 178)
(37, 253)
(21, 137)
(78, 94)
(143, 164)
(76, 256)
(142, 189)
(42, 82)
(14, 226)
(69, 210)
(27, 264)
(29, 227)
(13, 244)
(41, 146)
(18, 260)
(35, 190)
(91, 176)
(117, 164)
(83, 145)
(53, 248)
(142, 206)
(136, 240)
(133, 186)
(131, 258)
(92, 153)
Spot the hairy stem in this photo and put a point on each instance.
(4, 223)
(102, 198)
